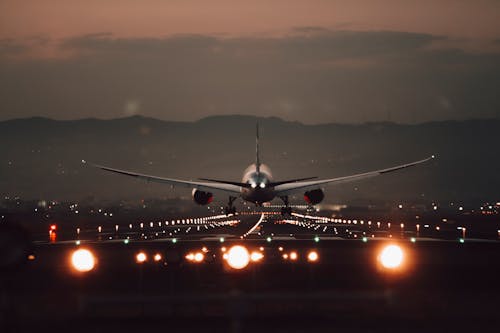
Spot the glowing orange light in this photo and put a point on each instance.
(238, 257)
(312, 256)
(53, 227)
(256, 256)
(391, 256)
(83, 260)
(157, 257)
(31, 257)
(293, 255)
(199, 256)
(141, 257)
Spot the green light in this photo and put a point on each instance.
(365, 239)
(174, 240)
(413, 239)
(269, 239)
(221, 239)
(125, 241)
(461, 240)
(316, 239)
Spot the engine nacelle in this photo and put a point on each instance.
(314, 197)
(202, 198)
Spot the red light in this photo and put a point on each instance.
(53, 227)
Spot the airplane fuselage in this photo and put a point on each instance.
(259, 180)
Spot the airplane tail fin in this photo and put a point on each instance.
(257, 159)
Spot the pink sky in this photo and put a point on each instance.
(460, 19)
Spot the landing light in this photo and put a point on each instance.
(238, 257)
(83, 260)
(253, 185)
(391, 256)
(262, 185)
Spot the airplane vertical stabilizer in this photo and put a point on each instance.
(257, 159)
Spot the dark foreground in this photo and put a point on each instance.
(443, 286)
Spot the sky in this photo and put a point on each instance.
(312, 61)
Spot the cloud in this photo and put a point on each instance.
(311, 74)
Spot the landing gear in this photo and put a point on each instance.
(287, 210)
(230, 209)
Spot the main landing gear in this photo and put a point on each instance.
(230, 209)
(287, 210)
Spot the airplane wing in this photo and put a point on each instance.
(287, 189)
(204, 186)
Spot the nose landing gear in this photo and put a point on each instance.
(287, 210)
(230, 209)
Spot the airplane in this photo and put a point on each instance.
(257, 185)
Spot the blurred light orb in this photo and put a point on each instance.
(391, 256)
(141, 257)
(312, 256)
(238, 257)
(83, 260)
(256, 256)
(198, 257)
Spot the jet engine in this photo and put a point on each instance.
(314, 197)
(201, 197)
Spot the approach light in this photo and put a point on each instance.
(238, 257)
(83, 260)
(198, 257)
(141, 257)
(256, 256)
(312, 256)
(391, 256)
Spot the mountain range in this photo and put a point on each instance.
(41, 158)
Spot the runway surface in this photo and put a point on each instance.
(445, 282)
